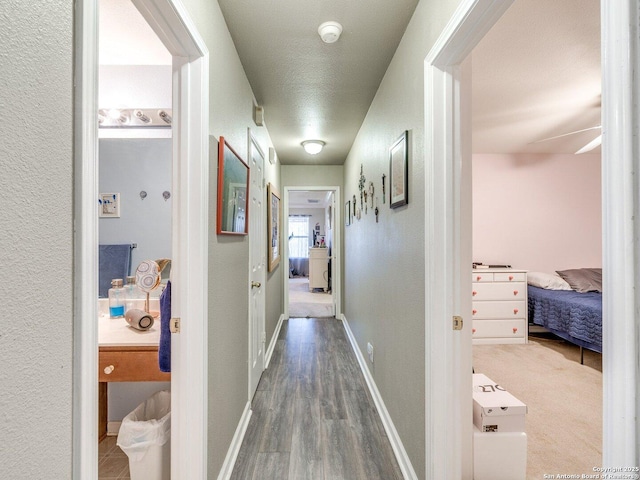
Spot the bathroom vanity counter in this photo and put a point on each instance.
(126, 355)
(116, 332)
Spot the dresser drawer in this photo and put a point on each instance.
(499, 291)
(499, 310)
(499, 329)
(130, 365)
(509, 277)
(482, 277)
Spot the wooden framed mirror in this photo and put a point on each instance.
(233, 189)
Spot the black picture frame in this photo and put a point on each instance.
(399, 171)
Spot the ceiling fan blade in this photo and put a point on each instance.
(567, 134)
(591, 145)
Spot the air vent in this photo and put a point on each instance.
(312, 200)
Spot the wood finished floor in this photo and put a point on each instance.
(313, 417)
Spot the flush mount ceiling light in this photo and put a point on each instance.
(313, 147)
(330, 32)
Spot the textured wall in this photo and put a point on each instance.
(231, 109)
(384, 261)
(36, 238)
(537, 212)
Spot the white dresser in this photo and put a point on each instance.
(318, 268)
(499, 306)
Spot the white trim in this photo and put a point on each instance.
(190, 176)
(272, 342)
(236, 443)
(85, 329)
(336, 287)
(113, 428)
(621, 232)
(401, 455)
(447, 353)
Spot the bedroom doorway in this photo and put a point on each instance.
(312, 252)
(552, 222)
(448, 134)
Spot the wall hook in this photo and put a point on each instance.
(166, 195)
(143, 195)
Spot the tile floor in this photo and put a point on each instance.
(113, 463)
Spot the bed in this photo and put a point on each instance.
(573, 313)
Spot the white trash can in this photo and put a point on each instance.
(145, 436)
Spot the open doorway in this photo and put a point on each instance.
(310, 243)
(312, 239)
(188, 237)
(551, 222)
(135, 164)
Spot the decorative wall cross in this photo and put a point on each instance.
(361, 186)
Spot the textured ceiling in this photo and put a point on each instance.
(309, 89)
(535, 75)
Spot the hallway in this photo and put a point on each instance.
(313, 417)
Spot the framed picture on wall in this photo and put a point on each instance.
(273, 222)
(109, 205)
(399, 171)
(347, 213)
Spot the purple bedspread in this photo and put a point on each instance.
(576, 317)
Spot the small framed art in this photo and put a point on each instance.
(399, 171)
(109, 205)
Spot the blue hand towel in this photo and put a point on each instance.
(114, 261)
(164, 349)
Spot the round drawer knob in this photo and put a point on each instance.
(474, 311)
(510, 277)
(478, 278)
(473, 330)
(474, 293)
(515, 311)
(515, 330)
(109, 369)
(515, 292)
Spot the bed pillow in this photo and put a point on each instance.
(549, 281)
(583, 279)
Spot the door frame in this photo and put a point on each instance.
(447, 164)
(336, 265)
(190, 71)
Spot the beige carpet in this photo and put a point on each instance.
(564, 400)
(303, 303)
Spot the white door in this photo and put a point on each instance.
(257, 262)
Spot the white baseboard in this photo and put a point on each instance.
(272, 343)
(238, 437)
(396, 443)
(236, 443)
(113, 428)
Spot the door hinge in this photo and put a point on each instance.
(174, 325)
(457, 322)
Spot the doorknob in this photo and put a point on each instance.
(256, 284)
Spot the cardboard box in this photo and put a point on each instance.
(494, 409)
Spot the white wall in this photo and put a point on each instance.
(537, 212)
(36, 238)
